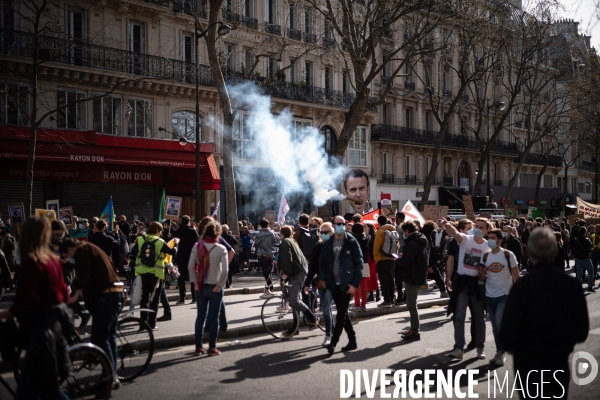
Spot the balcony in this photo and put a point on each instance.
(272, 29)
(447, 93)
(192, 7)
(249, 22)
(447, 181)
(384, 79)
(328, 42)
(294, 34)
(421, 137)
(387, 178)
(538, 159)
(232, 17)
(588, 166)
(84, 54)
(409, 86)
(162, 3)
(310, 38)
(464, 98)
(411, 180)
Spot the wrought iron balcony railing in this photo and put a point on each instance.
(162, 3)
(464, 98)
(229, 16)
(294, 34)
(538, 159)
(428, 138)
(409, 86)
(273, 29)
(85, 54)
(387, 178)
(384, 79)
(191, 7)
(310, 38)
(588, 166)
(250, 23)
(447, 93)
(328, 42)
(411, 180)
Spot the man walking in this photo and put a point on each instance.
(108, 244)
(540, 327)
(187, 238)
(385, 251)
(466, 286)
(341, 266)
(511, 243)
(265, 242)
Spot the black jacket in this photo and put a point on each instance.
(187, 239)
(581, 247)
(350, 259)
(545, 315)
(313, 265)
(363, 243)
(109, 245)
(415, 259)
(513, 244)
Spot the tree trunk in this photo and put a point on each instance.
(539, 179)
(434, 165)
(351, 121)
(228, 115)
(479, 177)
(33, 123)
(513, 180)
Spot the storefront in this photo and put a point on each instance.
(84, 169)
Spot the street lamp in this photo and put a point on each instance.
(223, 31)
(498, 105)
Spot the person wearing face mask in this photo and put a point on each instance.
(524, 238)
(499, 269)
(511, 243)
(341, 266)
(466, 286)
(385, 260)
(58, 234)
(581, 251)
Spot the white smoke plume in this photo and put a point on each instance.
(297, 158)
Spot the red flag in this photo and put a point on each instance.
(371, 218)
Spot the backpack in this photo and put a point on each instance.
(148, 255)
(389, 248)
(310, 238)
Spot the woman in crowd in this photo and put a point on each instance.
(208, 264)
(560, 259)
(233, 265)
(360, 295)
(373, 286)
(325, 233)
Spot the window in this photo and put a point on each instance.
(588, 188)
(308, 20)
(357, 148)
(328, 32)
(248, 59)
(297, 126)
(345, 82)
(409, 73)
(70, 109)
(292, 17)
(184, 125)
(272, 67)
(573, 185)
(428, 121)
(528, 180)
(242, 137)
(407, 117)
(75, 31)
(558, 182)
(328, 78)
(271, 11)
(410, 165)
(293, 71)
(387, 163)
(14, 104)
(447, 81)
(580, 187)
(188, 50)
(229, 57)
(330, 138)
(308, 73)
(139, 118)
(136, 44)
(107, 114)
(385, 114)
(548, 181)
(428, 75)
(249, 8)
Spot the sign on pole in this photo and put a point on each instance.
(510, 211)
(469, 210)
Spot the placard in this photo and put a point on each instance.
(172, 208)
(589, 210)
(65, 214)
(469, 210)
(80, 234)
(434, 213)
(50, 214)
(52, 205)
(510, 211)
(16, 213)
(271, 216)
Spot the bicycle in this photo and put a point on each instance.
(314, 304)
(279, 319)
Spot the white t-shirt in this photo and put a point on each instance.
(499, 279)
(470, 255)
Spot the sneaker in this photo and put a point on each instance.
(116, 384)
(456, 354)
(199, 351)
(326, 341)
(155, 329)
(444, 295)
(266, 295)
(499, 359)
(164, 318)
(213, 352)
(384, 304)
(354, 309)
(480, 354)
(411, 337)
(370, 298)
(180, 303)
(363, 308)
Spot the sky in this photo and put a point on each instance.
(585, 12)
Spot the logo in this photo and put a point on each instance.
(581, 367)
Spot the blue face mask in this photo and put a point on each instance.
(325, 236)
(340, 229)
(492, 243)
(477, 233)
(71, 260)
(505, 235)
(470, 232)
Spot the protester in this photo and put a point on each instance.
(108, 244)
(373, 286)
(386, 236)
(265, 241)
(581, 252)
(413, 264)
(595, 258)
(540, 327)
(498, 271)
(234, 264)
(103, 295)
(512, 243)
(40, 308)
(467, 287)
(149, 255)
(293, 268)
(360, 295)
(188, 237)
(207, 266)
(560, 261)
(341, 266)
(124, 226)
(430, 231)
(306, 236)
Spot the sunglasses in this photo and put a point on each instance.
(339, 224)
(325, 232)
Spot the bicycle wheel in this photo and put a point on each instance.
(315, 308)
(92, 373)
(135, 347)
(279, 319)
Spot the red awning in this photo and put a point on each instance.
(91, 157)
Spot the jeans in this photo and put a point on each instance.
(477, 318)
(495, 307)
(149, 282)
(595, 261)
(105, 316)
(209, 309)
(326, 300)
(385, 271)
(342, 321)
(295, 293)
(164, 301)
(266, 264)
(412, 292)
(587, 264)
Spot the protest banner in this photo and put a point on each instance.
(588, 210)
(434, 213)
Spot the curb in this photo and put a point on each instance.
(189, 339)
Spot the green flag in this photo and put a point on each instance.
(161, 211)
